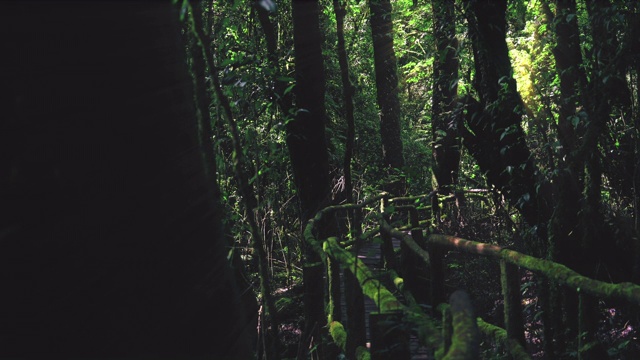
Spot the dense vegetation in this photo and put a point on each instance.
(525, 114)
(536, 102)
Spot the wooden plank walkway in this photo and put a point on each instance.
(370, 255)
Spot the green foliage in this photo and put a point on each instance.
(248, 78)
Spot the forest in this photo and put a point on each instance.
(320, 179)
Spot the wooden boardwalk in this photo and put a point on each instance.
(370, 255)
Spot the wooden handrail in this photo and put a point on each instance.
(625, 291)
(510, 261)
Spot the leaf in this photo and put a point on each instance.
(574, 120)
(504, 133)
(183, 9)
(285, 78)
(288, 89)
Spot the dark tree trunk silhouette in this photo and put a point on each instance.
(112, 245)
(387, 88)
(446, 142)
(308, 151)
(283, 100)
(496, 139)
(354, 298)
(569, 65)
(613, 101)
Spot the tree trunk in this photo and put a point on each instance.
(246, 190)
(496, 139)
(283, 100)
(569, 65)
(309, 158)
(354, 297)
(613, 101)
(113, 245)
(446, 143)
(387, 90)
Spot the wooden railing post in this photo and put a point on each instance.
(335, 293)
(447, 326)
(513, 321)
(417, 278)
(589, 348)
(389, 337)
(356, 329)
(386, 249)
(465, 342)
(437, 274)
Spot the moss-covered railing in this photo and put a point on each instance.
(510, 261)
(453, 337)
(330, 249)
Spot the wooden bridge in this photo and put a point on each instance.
(389, 294)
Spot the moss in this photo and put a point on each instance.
(338, 333)
(499, 335)
(370, 286)
(397, 280)
(308, 235)
(383, 298)
(556, 272)
(408, 240)
(362, 353)
(468, 246)
(465, 340)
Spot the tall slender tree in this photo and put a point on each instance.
(386, 70)
(309, 158)
(446, 147)
(354, 297)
